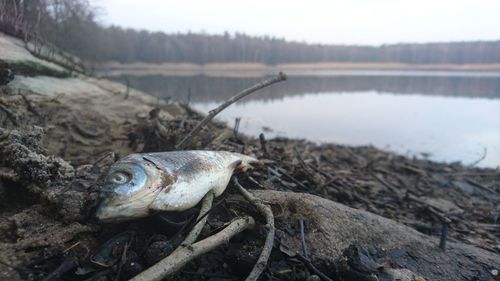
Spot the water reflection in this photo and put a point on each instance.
(450, 118)
(206, 89)
(449, 129)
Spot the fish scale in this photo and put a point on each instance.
(186, 163)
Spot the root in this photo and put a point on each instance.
(266, 211)
(206, 204)
(184, 254)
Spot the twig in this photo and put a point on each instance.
(266, 211)
(209, 211)
(182, 255)
(127, 91)
(478, 185)
(71, 247)
(12, 116)
(330, 177)
(393, 189)
(262, 140)
(444, 236)
(307, 262)
(188, 100)
(313, 268)
(495, 173)
(106, 155)
(236, 126)
(212, 113)
(302, 238)
(122, 261)
(206, 204)
(294, 180)
(485, 152)
(199, 223)
(256, 182)
(442, 217)
(29, 104)
(305, 166)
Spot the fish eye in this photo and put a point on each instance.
(119, 177)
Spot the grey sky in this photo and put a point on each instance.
(316, 21)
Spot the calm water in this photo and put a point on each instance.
(443, 117)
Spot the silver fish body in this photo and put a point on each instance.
(169, 181)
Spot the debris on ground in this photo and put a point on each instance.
(58, 137)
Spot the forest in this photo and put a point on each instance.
(74, 27)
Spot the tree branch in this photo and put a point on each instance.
(266, 211)
(212, 113)
(206, 204)
(184, 254)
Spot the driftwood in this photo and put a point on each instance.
(333, 227)
(184, 254)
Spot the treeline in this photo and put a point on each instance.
(72, 26)
(126, 45)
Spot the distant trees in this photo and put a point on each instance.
(71, 25)
(127, 45)
(58, 21)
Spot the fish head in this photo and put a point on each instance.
(130, 187)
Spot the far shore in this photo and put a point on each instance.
(296, 69)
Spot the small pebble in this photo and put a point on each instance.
(494, 272)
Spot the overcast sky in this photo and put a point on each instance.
(316, 21)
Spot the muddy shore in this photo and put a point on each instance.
(60, 132)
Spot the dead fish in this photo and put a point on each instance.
(165, 181)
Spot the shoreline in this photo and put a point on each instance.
(297, 69)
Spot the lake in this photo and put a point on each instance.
(444, 116)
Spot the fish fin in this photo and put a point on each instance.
(235, 164)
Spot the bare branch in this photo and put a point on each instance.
(182, 255)
(206, 204)
(266, 211)
(212, 113)
(485, 152)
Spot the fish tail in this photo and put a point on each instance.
(244, 162)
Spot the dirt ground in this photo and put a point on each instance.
(59, 135)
